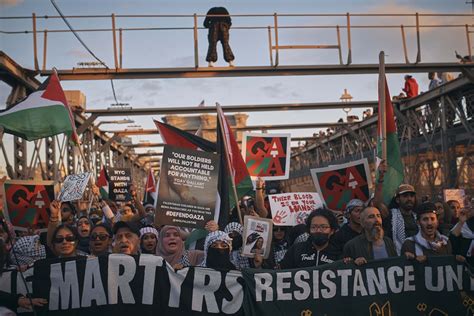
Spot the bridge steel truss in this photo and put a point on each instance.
(436, 133)
(55, 157)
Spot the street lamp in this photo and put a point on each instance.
(346, 97)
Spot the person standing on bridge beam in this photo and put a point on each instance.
(218, 22)
(411, 87)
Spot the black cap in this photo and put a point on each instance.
(426, 207)
(133, 226)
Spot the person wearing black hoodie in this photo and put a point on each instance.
(218, 22)
(317, 250)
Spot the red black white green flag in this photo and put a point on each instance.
(394, 174)
(43, 113)
(103, 183)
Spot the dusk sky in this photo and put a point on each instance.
(154, 49)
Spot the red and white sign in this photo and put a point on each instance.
(290, 209)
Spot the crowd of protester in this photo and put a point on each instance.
(411, 226)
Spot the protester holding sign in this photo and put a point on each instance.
(61, 239)
(217, 249)
(68, 213)
(317, 250)
(235, 231)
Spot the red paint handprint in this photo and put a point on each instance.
(279, 217)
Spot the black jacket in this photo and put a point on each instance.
(361, 247)
(343, 235)
(302, 255)
(214, 19)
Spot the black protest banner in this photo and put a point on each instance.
(143, 285)
(396, 286)
(119, 185)
(187, 188)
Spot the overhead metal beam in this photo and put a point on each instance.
(246, 128)
(250, 71)
(13, 74)
(153, 145)
(232, 108)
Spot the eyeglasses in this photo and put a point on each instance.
(101, 237)
(69, 238)
(320, 227)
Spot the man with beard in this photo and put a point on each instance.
(462, 234)
(372, 244)
(317, 250)
(401, 222)
(352, 228)
(127, 238)
(428, 242)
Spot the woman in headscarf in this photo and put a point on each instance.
(235, 231)
(217, 248)
(171, 248)
(83, 230)
(148, 240)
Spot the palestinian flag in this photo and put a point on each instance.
(228, 148)
(150, 189)
(43, 113)
(103, 183)
(394, 175)
(179, 138)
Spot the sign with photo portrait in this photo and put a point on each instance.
(257, 236)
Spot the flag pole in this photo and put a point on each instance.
(220, 123)
(382, 102)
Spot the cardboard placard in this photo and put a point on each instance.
(27, 203)
(74, 186)
(454, 194)
(338, 184)
(267, 155)
(187, 187)
(291, 209)
(257, 238)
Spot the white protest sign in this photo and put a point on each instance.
(74, 186)
(290, 209)
(454, 194)
(257, 238)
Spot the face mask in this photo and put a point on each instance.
(319, 239)
(237, 242)
(218, 259)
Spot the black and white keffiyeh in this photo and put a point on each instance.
(421, 243)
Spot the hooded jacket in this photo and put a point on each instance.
(302, 255)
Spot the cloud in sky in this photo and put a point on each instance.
(10, 3)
